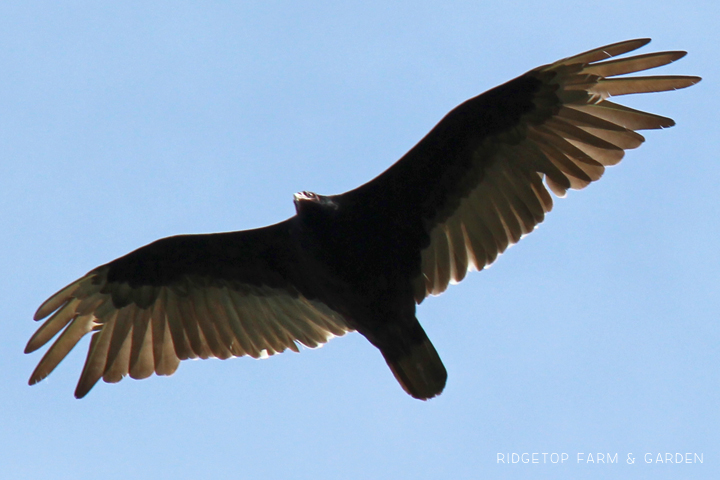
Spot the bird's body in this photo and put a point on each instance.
(362, 260)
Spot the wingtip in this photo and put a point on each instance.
(82, 390)
(625, 46)
(41, 312)
(600, 54)
(30, 348)
(36, 378)
(678, 54)
(630, 45)
(57, 300)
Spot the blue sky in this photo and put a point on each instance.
(123, 122)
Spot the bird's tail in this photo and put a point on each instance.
(419, 370)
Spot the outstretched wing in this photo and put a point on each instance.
(474, 185)
(222, 295)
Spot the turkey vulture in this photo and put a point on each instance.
(362, 260)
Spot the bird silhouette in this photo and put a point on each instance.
(362, 260)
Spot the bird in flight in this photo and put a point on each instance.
(362, 260)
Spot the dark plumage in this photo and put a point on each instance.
(363, 260)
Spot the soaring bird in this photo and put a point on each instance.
(363, 259)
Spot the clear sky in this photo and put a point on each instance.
(124, 122)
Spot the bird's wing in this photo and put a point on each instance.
(474, 185)
(221, 295)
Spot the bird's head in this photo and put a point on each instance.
(310, 200)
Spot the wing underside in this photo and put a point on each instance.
(138, 330)
(564, 142)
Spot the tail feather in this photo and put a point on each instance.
(419, 371)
